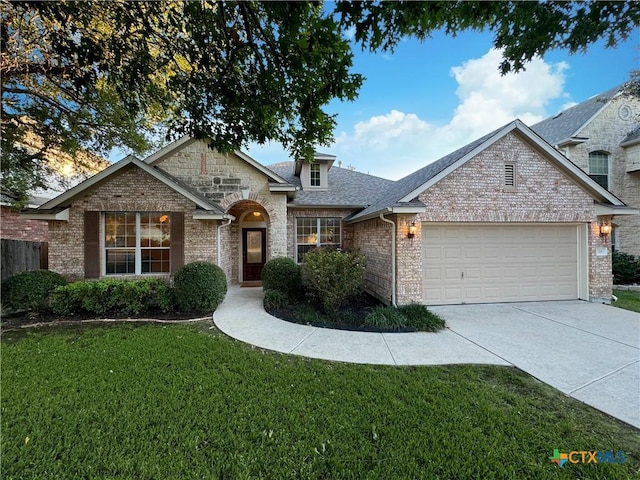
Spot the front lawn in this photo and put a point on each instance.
(627, 299)
(150, 401)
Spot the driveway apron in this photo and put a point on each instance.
(586, 350)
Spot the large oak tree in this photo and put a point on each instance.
(95, 75)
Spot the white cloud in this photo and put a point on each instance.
(397, 143)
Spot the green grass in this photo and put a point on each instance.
(150, 402)
(628, 300)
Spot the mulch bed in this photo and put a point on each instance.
(358, 307)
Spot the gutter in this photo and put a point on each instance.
(229, 220)
(393, 259)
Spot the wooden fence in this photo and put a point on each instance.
(18, 256)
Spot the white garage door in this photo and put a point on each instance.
(496, 263)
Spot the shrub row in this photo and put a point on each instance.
(199, 288)
(412, 316)
(113, 297)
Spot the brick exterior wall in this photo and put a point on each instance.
(373, 239)
(12, 227)
(474, 193)
(605, 133)
(129, 190)
(227, 180)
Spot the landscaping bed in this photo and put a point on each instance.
(327, 291)
(349, 317)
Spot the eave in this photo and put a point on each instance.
(603, 209)
(209, 215)
(59, 214)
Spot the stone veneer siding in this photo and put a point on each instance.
(605, 132)
(130, 190)
(474, 193)
(227, 180)
(12, 227)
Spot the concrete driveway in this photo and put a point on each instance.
(586, 350)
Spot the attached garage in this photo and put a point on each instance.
(485, 263)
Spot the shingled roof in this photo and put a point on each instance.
(347, 188)
(393, 195)
(568, 123)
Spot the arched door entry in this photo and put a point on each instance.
(253, 231)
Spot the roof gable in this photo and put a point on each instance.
(170, 149)
(114, 168)
(407, 189)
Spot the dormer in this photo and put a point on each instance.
(315, 175)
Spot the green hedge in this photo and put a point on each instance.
(626, 269)
(30, 290)
(113, 297)
(199, 287)
(282, 274)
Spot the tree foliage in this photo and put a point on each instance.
(95, 75)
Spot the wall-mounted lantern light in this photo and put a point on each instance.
(412, 230)
(605, 229)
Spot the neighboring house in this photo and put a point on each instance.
(23, 242)
(602, 137)
(505, 218)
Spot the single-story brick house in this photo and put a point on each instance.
(505, 218)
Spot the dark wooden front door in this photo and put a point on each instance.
(254, 253)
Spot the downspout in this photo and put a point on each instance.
(229, 220)
(393, 259)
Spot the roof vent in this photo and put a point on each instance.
(557, 115)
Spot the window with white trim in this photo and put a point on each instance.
(316, 232)
(314, 175)
(599, 168)
(137, 243)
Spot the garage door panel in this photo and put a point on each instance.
(499, 263)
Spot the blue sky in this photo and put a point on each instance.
(426, 99)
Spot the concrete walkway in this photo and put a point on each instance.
(588, 351)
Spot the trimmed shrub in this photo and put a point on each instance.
(626, 268)
(284, 275)
(275, 299)
(333, 275)
(386, 317)
(30, 290)
(199, 287)
(420, 318)
(114, 297)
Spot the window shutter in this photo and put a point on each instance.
(177, 241)
(91, 244)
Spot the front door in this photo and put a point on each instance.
(254, 253)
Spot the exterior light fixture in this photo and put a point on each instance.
(605, 229)
(412, 230)
(256, 214)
